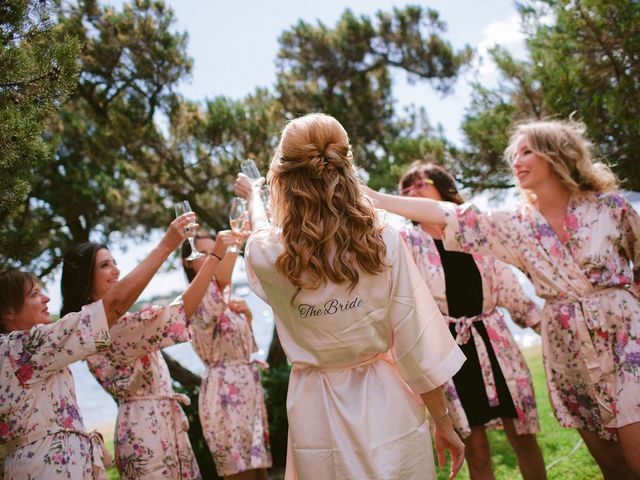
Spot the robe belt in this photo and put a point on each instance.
(179, 417)
(380, 356)
(464, 326)
(100, 456)
(229, 363)
(600, 366)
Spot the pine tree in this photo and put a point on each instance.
(37, 74)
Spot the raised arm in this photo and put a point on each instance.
(193, 295)
(119, 299)
(249, 190)
(422, 210)
(225, 268)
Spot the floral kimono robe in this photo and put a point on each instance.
(231, 401)
(360, 358)
(41, 433)
(500, 288)
(151, 438)
(589, 279)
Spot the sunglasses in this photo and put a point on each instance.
(418, 185)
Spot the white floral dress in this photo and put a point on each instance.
(151, 439)
(589, 278)
(500, 288)
(231, 401)
(41, 432)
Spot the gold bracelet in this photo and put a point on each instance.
(446, 412)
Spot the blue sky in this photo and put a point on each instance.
(234, 46)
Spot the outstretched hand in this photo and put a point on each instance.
(447, 439)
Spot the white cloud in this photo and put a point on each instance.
(508, 34)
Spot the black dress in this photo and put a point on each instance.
(463, 285)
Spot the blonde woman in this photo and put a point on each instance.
(368, 346)
(579, 241)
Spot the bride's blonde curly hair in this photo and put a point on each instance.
(569, 152)
(329, 227)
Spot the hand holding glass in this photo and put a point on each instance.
(250, 169)
(181, 208)
(237, 217)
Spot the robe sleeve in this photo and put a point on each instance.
(210, 307)
(423, 348)
(523, 310)
(252, 255)
(496, 233)
(36, 354)
(148, 330)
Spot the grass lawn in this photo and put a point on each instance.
(557, 443)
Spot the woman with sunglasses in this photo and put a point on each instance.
(578, 240)
(493, 388)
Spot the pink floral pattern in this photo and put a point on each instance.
(151, 438)
(37, 394)
(589, 277)
(231, 402)
(500, 289)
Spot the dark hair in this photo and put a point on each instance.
(77, 276)
(442, 179)
(14, 286)
(186, 251)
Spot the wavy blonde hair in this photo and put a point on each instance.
(328, 224)
(569, 152)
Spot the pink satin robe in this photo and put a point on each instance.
(360, 358)
(500, 288)
(151, 439)
(231, 401)
(589, 279)
(37, 395)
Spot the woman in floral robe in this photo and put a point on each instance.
(41, 432)
(578, 240)
(151, 438)
(231, 402)
(493, 388)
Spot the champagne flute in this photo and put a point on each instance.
(181, 208)
(237, 217)
(250, 169)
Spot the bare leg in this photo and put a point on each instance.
(609, 456)
(478, 454)
(629, 437)
(528, 452)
